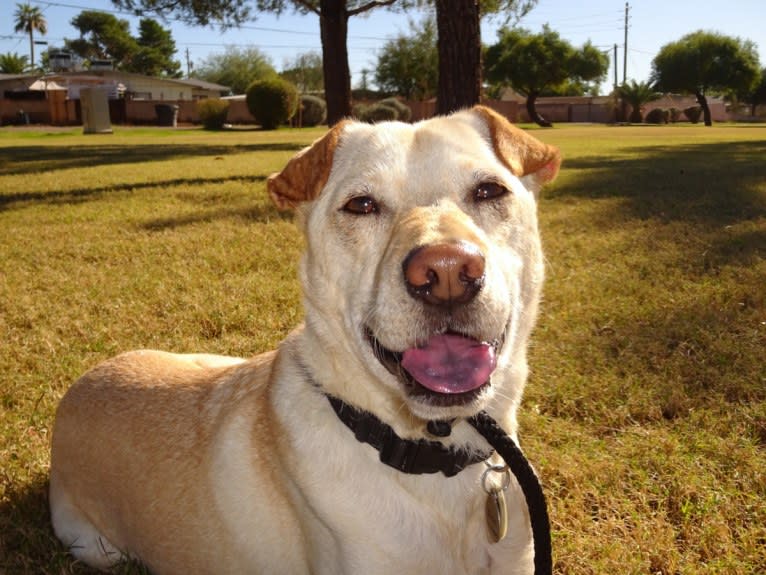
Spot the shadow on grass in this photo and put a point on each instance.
(15, 200)
(21, 160)
(702, 343)
(28, 545)
(709, 183)
(251, 213)
(712, 187)
(27, 542)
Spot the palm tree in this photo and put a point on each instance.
(30, 19)
(12, 63)
(637, 94)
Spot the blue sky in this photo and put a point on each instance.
(652, 23)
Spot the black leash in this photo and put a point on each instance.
(530, 486)
(422, 456)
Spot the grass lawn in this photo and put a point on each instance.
(646, 409)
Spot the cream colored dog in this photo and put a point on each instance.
(421, 280)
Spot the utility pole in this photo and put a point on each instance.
(189, 65)
(615, 66)
(625, 50)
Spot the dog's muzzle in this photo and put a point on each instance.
(449, 368)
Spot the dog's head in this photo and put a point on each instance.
(423, 266)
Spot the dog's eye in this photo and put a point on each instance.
(489, 191)
(362, 206)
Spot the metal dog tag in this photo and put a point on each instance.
(497, 516)
(495, 507)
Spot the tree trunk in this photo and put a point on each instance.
(532, 111)
(702, 101)
(31, 49)
(459, 47)
(333, 25)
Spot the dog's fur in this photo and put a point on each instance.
(201, 464)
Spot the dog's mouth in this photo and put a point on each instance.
(447, 370)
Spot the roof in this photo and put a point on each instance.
(46, 84)
(184, 81)
(18, 76)
(197, 83)
(115, 74)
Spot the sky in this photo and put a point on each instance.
(651, 24)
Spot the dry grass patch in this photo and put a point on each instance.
(649, 380)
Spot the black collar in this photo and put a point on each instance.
(406, 455)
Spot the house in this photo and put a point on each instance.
(54, 98)
(139, 87)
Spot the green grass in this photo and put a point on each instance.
(646, 408)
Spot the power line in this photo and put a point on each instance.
(642, 51)
(611, 13)
(180, 21)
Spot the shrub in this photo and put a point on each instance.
(272, 102)
(313, 110)
(377, 113)
(675, 114)
(403, 112)
(693, 113)
(212, 113)
(358, 111)
(657, 116)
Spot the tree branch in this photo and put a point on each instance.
(370, 6)
(309, 5)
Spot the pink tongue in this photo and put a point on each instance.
(450, 363)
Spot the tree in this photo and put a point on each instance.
(226, 13)
(30, 19)
(156, 49)
(535, 63)
(408, 65)
(236, 68)
(637, 94)
(305, 71)
(459, 48)
(333, 26)
(12, 63)
(102, 37)
(757, 95)
(105, 37)
(459, 45)
(458, 68)
(704, 62)
(589, 66)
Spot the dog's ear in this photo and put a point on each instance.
(304, 176)
(524, 155)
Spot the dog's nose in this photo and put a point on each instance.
(444, 274)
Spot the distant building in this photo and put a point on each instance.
(54, 98)
(62, 61)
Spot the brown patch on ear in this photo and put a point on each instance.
(523, 154)
(305, 175)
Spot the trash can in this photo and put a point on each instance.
(22, 118)
(94, 103)
(167, 115)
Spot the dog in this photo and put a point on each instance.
(346, 450)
